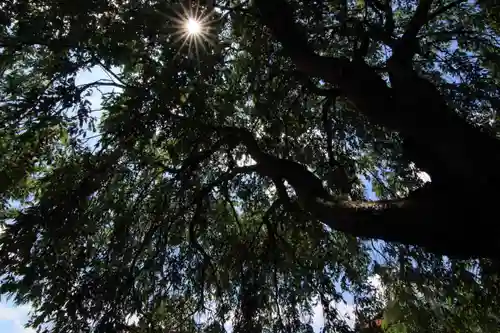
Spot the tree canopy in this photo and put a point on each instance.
(227, 174)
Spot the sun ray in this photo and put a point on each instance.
(193, 26)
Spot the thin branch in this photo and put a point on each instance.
(327, 126)
(383, 184)
(233, 209)
(389, 18)
(110, 73)
(100, 83)
(376, 249)
(419, 19)
(444, 9)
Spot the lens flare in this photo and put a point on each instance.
(193, 27)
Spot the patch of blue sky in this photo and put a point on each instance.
(13, 318)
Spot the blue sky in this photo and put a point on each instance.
(12, 318)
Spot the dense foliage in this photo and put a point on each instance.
(227, 178)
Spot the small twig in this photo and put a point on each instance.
(381, 182)
(112, 75)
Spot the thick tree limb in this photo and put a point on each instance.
(441, 142)
(429, 217)
(407, 44)
(413, 107)
(425, 218)
(436, 226)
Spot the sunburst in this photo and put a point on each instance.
(193, 26)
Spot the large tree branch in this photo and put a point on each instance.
(427, 217)
(419, 19)
(460, 158)
(436, 224)
(443, 141)
(406, 47)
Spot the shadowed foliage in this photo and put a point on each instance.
(227, 181)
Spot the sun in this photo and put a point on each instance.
(193, 26)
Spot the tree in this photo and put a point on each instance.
(224, 174)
